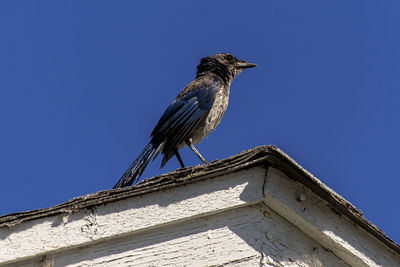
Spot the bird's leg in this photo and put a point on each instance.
(179, 158)
(189, 143)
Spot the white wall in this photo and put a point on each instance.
(240, 219)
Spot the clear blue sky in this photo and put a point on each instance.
(83, 83)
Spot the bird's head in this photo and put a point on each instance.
(224, 65)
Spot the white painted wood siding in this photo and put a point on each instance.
(245, 218)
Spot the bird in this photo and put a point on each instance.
(192, 116)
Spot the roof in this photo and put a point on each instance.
(258, 156)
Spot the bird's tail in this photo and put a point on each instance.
(132, 175)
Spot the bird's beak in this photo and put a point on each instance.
(245, 65)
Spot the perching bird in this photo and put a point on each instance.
(193, 115)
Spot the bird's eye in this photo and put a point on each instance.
(229, 57)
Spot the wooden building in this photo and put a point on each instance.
(257, 208)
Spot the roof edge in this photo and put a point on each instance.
(259, 156)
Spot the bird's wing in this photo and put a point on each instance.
(184, 114)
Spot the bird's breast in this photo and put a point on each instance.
(214, 117)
